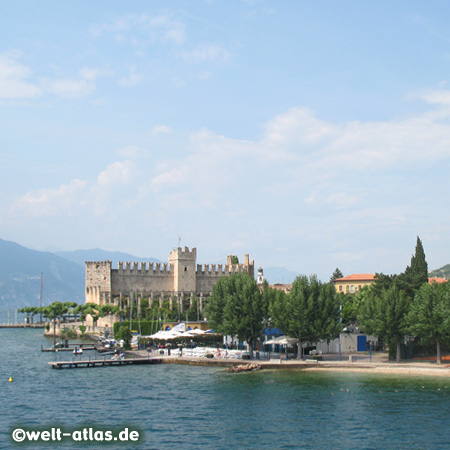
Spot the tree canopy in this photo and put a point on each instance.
(236, 307)
(310, 312)
(429, 316)
(416, 274)
(336, 274)
(385, 315)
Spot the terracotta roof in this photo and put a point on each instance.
(357, 277)
(436, 280)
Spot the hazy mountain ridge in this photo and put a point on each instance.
(20, 277)
(64, 273)
(97, 254)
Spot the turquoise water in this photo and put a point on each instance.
(189, 407)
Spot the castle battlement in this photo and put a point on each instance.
(181, 276)
(151, 269)
(221, 269)
(180, 254)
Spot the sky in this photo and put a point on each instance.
(309, 135)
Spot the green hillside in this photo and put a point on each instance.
(443, 272)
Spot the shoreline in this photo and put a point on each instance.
(377, 368)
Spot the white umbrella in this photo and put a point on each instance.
(197, 331)
(282, 340)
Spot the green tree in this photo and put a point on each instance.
(125, 334)
(327, 317)
(430, 315)
(193, 311)
(416, 274)
(382, 283)
(336, 274)
(30, 311)
(67, 333)
(385, 315)
(236, 308)
(350, 305)
(58, 310)
(271, 298)
(108, 310)
(310, 312)
(82, 310)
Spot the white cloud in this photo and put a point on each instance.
(141, 29)
(81, 86)
(51, 201)
(14, 83)
(300, 128)
(132, 151)
(324, 166)
(71, 198)
(120, 172)
(207, 52)
(132, 79)
(437, 96)
(161, 129)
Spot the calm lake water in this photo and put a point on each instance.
(183, 407)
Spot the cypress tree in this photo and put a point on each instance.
(416, 274)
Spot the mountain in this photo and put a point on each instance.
(443, 272)
(81, 256)
(20, 277)
(63, 273)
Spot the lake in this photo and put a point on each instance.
(191, 407)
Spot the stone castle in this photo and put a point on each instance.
(178, 281)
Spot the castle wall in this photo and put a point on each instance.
(98, 280)
(178, 279)
(154, 277)
(208, 274)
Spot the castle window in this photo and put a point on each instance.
(185, 269)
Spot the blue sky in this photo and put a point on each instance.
(311, 135)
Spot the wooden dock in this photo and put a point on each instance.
(71, 348)
(102, 362)
(66, 349)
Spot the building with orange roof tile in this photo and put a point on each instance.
(353, 283)
(436, 280)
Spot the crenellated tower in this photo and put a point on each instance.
(98, 281)
(183, 263)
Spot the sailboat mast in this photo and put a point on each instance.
(42, 296)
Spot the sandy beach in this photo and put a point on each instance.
(378, 364)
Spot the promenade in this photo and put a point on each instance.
(377, 364)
